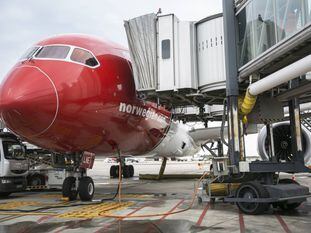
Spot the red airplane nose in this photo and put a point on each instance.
(29, 101)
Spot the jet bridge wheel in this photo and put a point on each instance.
(284, 205)
(69, 188)
(86, 188)
(251, 190)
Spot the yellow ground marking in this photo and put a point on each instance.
(17, 204)
(129, 195)
(59, 196)
(93, 211)
(52, 195)
(27, 213)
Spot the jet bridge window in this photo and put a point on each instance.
(166, 49)
(53, 51)
(84, 57)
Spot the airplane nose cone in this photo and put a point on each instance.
(29, 101)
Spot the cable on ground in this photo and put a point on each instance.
(118, 192)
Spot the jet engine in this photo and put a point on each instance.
(282, 143)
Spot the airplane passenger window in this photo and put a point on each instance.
(53, 51)
(84, 57)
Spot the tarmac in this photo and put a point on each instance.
(141, 197)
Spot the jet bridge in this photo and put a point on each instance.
(253, 61)
(178, 63)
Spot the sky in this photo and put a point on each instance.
(23, 23)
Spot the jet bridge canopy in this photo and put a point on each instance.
(141, 35)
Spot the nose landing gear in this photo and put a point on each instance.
(84, 186)
(77, 183)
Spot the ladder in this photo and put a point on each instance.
(35, 159)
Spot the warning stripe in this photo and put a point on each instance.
(37, 187)
(200, 220)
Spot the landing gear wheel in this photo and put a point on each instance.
(86, 188)
(114, 171)
(131, 168)
(251, 190)
(284, 205)
(69, 188)
(126, 171)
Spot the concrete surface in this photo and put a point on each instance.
(145, 197)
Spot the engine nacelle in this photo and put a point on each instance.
(176, 143)
(282, 143)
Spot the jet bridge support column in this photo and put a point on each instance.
(232, 87)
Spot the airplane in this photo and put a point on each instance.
(73, 94)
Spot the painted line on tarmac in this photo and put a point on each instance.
(283, 223)
(163, 217)
(45, 218)
(9, 218)
(78, 222)
(105, 227)
(179, 203)
(70, 225)
(241, 222)
(29, 228)
(200, 220)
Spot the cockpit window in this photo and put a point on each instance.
(84, 57)
(53, 51)
(30, 52)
